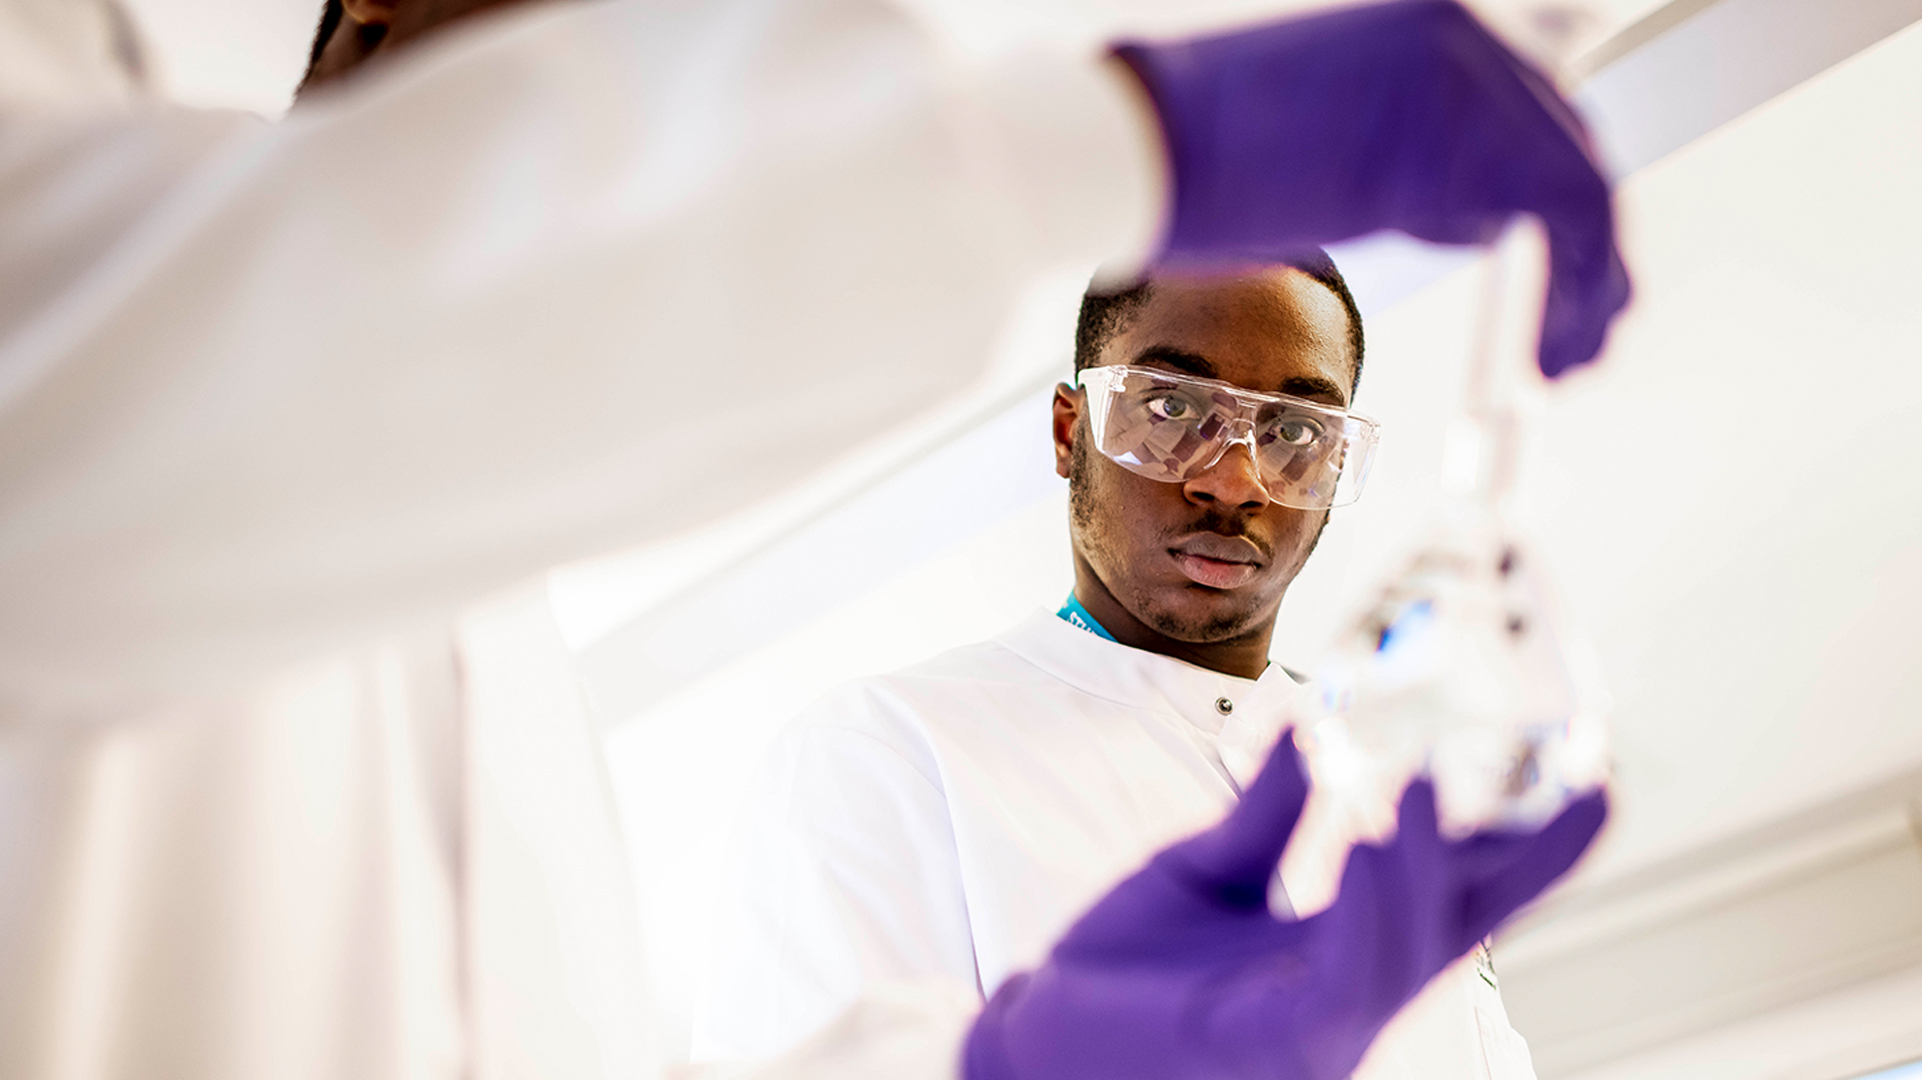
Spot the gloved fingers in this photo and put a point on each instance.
(1399, 899)
(1417, 858)
(1425, 893)
(1426, 875)
(1408, 116)
(1240, 854)
(1542, 88)
(1529, 867)
(984, 1054)
(1404, 883)
(1488, 853)
(1557, 180)
(1587, 283)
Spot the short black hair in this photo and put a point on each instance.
(332, 14)
(330, 17)
(1105, 309)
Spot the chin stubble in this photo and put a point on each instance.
(1082, 499)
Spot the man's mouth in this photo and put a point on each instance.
(1219, 562)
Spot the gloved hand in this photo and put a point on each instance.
(1182, 972)
(1406, 115)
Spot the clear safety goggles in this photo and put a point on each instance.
(1171, 427)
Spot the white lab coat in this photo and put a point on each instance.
(278, 403)
(955, 817)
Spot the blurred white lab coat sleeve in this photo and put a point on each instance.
(67, 51)
(401, 862)
(564, 281)
(578, 279)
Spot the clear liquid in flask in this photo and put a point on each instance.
(1461, 666)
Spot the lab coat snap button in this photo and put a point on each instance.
(1224, 706)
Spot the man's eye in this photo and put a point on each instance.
(1295, 431)
(1169, 407)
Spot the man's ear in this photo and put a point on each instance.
(1067, 417)
(371, 12)
(344, 45)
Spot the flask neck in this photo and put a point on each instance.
(1483, 442)
(1478, 459)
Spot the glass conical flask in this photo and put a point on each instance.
(1461, 666)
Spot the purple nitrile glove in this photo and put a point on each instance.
(1406, 115)
(1182, 973)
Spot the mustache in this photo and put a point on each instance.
(1221, 523)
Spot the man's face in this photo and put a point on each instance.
(1207, 560)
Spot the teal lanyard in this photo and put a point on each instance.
(1075, 615)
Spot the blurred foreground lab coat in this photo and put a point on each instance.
(955, 818)
(283, 792)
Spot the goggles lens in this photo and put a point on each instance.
(1171, 427)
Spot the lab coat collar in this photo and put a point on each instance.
(1257, 709)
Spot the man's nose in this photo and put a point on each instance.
(1233, 479)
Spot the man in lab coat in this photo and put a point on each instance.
(956, 816)
(294, 779)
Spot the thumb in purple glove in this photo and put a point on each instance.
(1406, 115)
(1182, 971)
